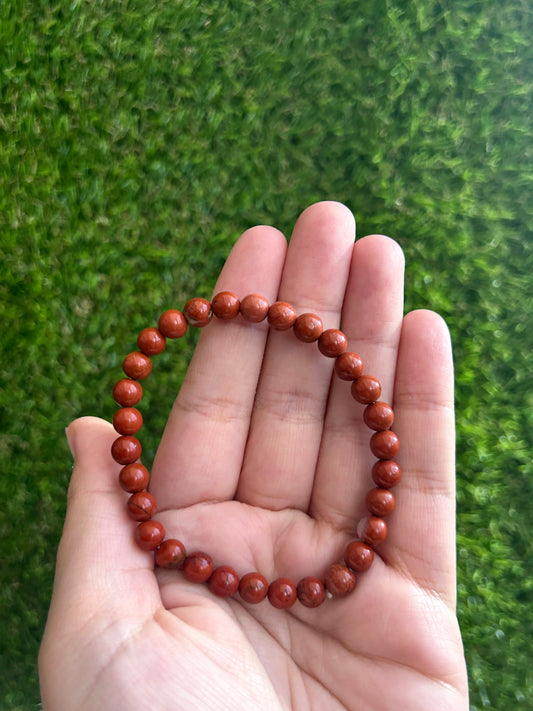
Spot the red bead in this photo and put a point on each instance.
(373, 530)
(339, 581)
(386, 473)
(311, 592)
(170, 554)
(308, 328)
(366, 389)
(380, 502)
(378, 416)
(358, 556)
(282, 593)
(225, 305)
(197, 567)
(348, 366)
(127, 421)
(137, 365)
(198, 312)
(151, 341)
(253, 588)
(224, 581)
(332, 343)
(134, 477)
(173, 324)
(141, 506)
(149, 534)
(385, 444)
(127, 392)
(126, 449)
(254, 308)
(281, 316)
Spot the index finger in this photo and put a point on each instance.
(202, 448)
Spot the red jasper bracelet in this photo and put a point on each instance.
(198, 567)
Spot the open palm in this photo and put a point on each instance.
(265, 464)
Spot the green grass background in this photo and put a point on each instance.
(138, 139)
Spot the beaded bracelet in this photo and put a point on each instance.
(198, 566)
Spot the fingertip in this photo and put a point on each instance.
(262, 233)
(255, 263)
(259, 240)
(430, 322)
(378, 246)
(325, 213)
(84, 431)
(425, 335)
(90, 440)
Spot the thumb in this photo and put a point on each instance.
(98, 561)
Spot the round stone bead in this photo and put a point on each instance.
(339, 580)
(254, 308)
(281, 316)
(378, 416)
(170, 554)
(141, 506)
(151, 341)
(348, 366)
(173, 324)
(308, 327)
(198, 312)
(225, 305)
(332, 343)
(311, 592)
(126, 449)
(385, 444)
(358, 556)
(127, 420)
(127, 392)
(224, 581)
(386, 473)
(380, 502)
(197, 567)
(134, 477)
(366, 389)
(149, 534)
(282, 593)
(136, 365)
(253, 587)
(373, 530)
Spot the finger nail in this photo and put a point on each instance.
(71, 439)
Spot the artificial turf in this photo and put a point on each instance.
(137, 139)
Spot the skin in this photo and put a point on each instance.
(265, 464)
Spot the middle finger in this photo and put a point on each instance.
(287, 421)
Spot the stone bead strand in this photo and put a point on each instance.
(197, 566)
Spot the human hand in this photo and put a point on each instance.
(265, 464)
